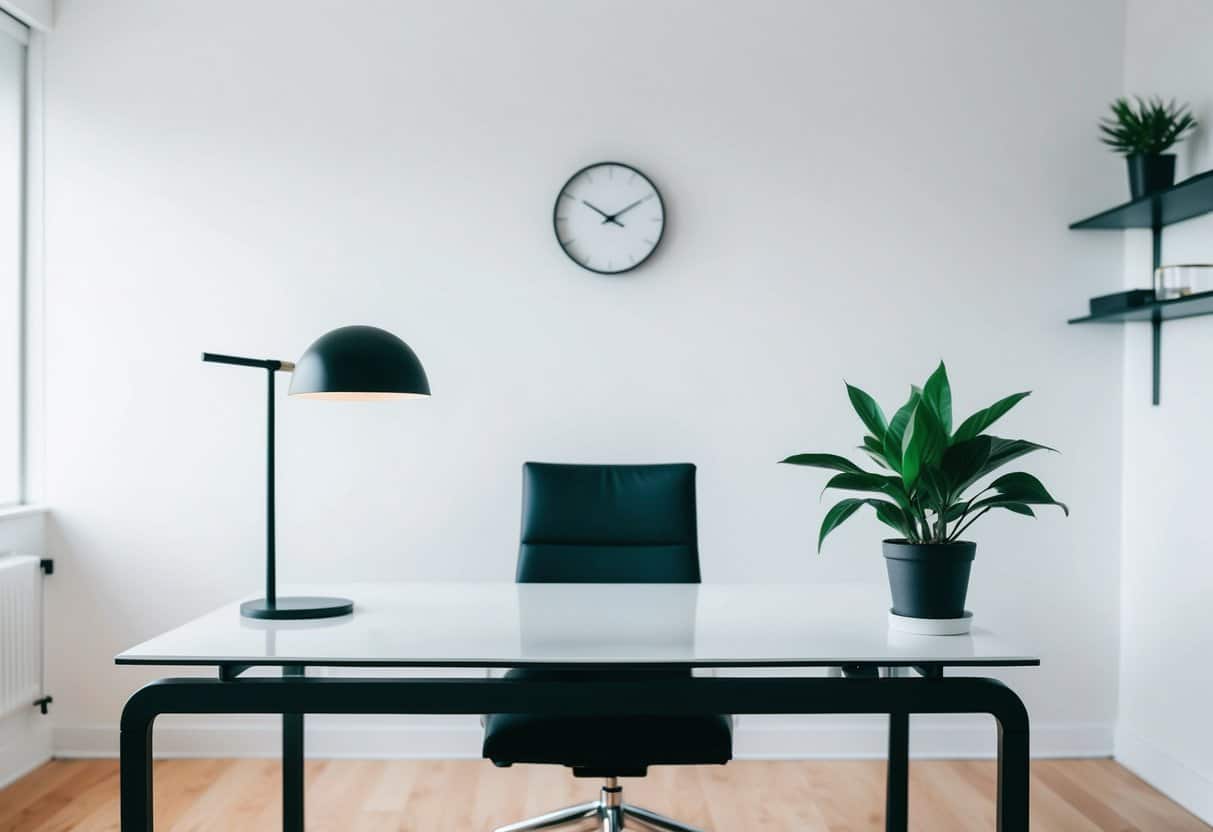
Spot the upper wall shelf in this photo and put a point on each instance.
(1188, 199)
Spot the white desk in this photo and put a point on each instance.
(619, 626)
(516, 625)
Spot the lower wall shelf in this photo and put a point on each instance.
(1189, 306)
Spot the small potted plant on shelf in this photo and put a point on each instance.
(1144, 133)
(929, 491)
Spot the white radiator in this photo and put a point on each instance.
(20, 632)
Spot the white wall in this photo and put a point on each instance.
(1164, 731)
(854, 190)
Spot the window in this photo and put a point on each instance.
(13, 39)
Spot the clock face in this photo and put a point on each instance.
(609, 218)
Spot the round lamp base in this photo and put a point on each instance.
(286, 609)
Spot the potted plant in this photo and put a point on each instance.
(1143, 133)
(929, 490)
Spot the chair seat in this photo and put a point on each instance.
(604, 746)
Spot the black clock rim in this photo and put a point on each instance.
(660, 201)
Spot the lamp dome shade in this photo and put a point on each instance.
(359, 362)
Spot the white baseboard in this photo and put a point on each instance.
(26, 742)
(459, 737)
(931, 737)
(1189, 788)
(325, 737)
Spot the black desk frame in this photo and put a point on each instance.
(296, 694)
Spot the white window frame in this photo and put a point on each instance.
(33, 429)
(30, 280)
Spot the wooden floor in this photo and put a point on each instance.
(454, 795)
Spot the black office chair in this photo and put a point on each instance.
(607, 524)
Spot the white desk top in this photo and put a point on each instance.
(514, 625)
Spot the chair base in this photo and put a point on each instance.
(607, 814)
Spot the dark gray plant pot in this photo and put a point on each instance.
(929, 580)
(1148, 174)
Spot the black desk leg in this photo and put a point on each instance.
(292, 765)
(897, 786)
(135, 766)
(1013, 775)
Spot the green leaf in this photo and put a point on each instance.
(1009, 503)
(831, 462)
(910, 460)
(876, 483)
(886, 513)
(894, 436)
(1020, 483)
(861, 481)
(892, 516)
(1003, 451)
(1020, 487)
(869, 411)
(923, 444)
(963, 462)
(935, 483)
(875, 449)
(836, 516)
(937, 393)
(982, 419)
(955, 512)
(930, 435)
(1018, 508)
(1004, 501)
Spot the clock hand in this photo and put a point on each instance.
(613, 216)
(603, 213)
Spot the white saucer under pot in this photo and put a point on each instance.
(931, 626)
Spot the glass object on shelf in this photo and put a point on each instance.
(1182, 279)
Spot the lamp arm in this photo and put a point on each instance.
(263, 363)
(271, 365)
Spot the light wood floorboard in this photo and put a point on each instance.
(411, 796)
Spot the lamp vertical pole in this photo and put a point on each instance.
(291, 607)
(271, 579)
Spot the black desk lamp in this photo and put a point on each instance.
(351, 363)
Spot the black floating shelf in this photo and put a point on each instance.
(1188, 306)
(1188, 199)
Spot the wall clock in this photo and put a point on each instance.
(609, 218)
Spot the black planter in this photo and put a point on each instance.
(929, 580)
(1148, 174)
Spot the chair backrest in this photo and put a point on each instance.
(608, 524)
